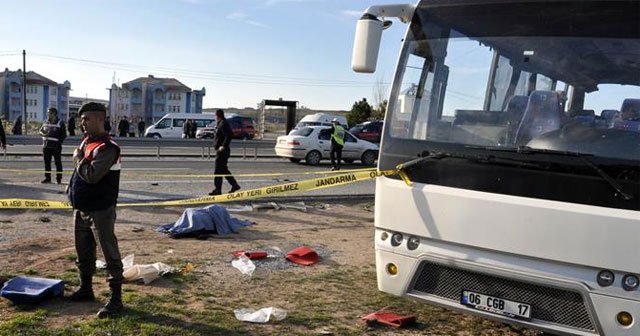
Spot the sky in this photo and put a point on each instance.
(240, 51)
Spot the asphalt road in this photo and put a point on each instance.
(151, 179)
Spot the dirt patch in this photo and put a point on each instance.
(326, 298)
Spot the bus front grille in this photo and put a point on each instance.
(559, 306)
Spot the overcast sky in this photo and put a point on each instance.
(241, 51)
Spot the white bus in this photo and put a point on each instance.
(519, 200)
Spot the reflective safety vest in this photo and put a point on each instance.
(104, 193)
(338, 135)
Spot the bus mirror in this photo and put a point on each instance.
(366, 44)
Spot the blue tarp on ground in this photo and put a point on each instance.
(213, 218)
(30, 290)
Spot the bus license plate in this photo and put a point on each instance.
(496, 305)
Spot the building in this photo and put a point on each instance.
(42, 93)
(151, 98)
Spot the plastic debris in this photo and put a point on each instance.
(268, 205)
(260, 316)
(147, 273)
(390, 319)
(251, 254)
(244, 265)
(245, 208)
(303, 255)
(30, 290)
(294, 206)
(188, 268)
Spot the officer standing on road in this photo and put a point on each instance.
(337, 142)
(53, 134)
(223, 152)
(93, 193)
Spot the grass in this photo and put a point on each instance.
(330, 300)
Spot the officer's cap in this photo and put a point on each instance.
(92, 107)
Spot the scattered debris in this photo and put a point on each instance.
(146, 272)
(244, 265)
(137, 229)
(246, 208)
(251, 254)
(170, 251)
(260, 316)
(303, 255)
(188, 268)
(31, 290)
(6, 221)
(390, 319)
(155, 184)
(45, 219)
(277, 206)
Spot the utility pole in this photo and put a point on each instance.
(24, 91)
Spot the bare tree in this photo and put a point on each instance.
(379, 99)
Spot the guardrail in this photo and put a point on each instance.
(244, 148)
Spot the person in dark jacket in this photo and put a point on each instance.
(93, 193)
(222, 144)
(107, 125)
(186, 129)
(3, 137)
(17, 126)
(71, 126)
(141, 127)
(123, 127)
(53, 133)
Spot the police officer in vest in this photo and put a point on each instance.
(93, 192)
(337, 142)
(53, 134)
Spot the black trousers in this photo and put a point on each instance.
(222, 159)
(336, 153)
(103, 223)
(57, 157)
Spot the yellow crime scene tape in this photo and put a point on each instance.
(125, 173)
(338, 179)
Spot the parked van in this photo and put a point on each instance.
(170, 126)
(321, 119)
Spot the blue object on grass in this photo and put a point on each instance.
(30, 290)
(212, 218)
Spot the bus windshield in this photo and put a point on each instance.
(570, 84)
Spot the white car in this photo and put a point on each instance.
(313, 143)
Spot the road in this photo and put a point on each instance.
(151, 179)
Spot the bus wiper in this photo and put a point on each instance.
(582, 156)
(428, 157)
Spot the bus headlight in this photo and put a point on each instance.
(396, 239)
(413, 243)
(624, 318)
(630, 282)
(605, 278)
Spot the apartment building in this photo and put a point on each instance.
(151, 98)
(41, 93)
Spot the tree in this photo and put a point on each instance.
(380, 110)
(379, 99)
(360, 112)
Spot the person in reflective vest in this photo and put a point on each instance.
(53, 132)
(93, 193)
(337, 142)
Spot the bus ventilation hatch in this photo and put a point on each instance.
(559, 306)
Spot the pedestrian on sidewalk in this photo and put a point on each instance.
(3, 137)
(141, 127)
(123, 127)
(93, 193)
(17, 126)
(222, 144)
(53, 133)
(71, 126)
